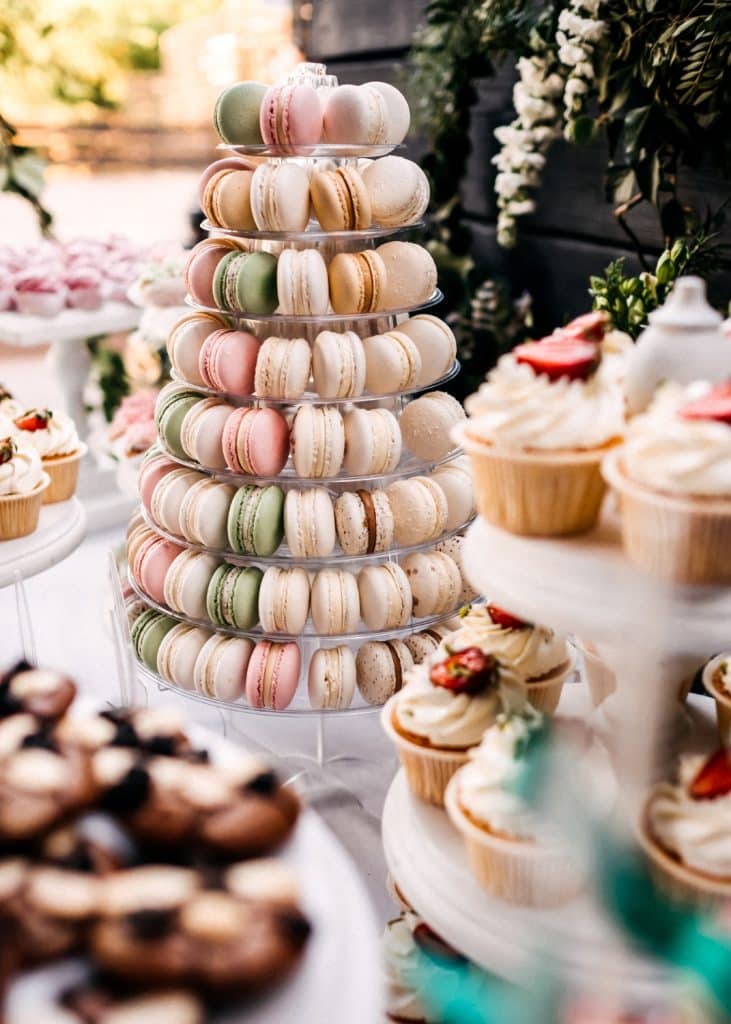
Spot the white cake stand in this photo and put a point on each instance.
(61, 528)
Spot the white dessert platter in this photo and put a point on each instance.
(325, 319)
(428, 862)
(314, 233)
(61, 528)
(340, 977)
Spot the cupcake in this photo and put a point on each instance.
(539, 657)
(538, 429)
(441, 713)
(22, 483)
(54, 437)
(513, 853)
(673, 481)
(717, 681)
(686, 830)
(39, 293)
(85, 288)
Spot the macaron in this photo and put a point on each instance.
(452, 546)
(284, 600)
(186, 583)
(201, 265)
(236, 116)
(427, 422)
(398, 115)
(229, 163)
(204, 512)
(134, 541)
(455, 480)
(221, 667)
(435, 582)
(282, 368)
(227, 361)
(318, 441)
(291, 115)
(173, 402)
(167, 498)
(280, 197)
(419, 510)
(358, 282)
(232, 598)
(147, 634)
(185, 343)
(302, 283)
(393, 363)
(272, 675)
(436, 343)
(227, 200)
(381, 668)
(355, 114)
(338, 364)
(150, 564)
(340, 199)
(372, 442)
(255, 520)
(178, 653)
(331, 678)
(364, 522)
(309, 523)
(422, 645)
(334, 602)
(201, 432)
(411, 274)
(151, 472)
(256, 442)
(398, 190)
(385, 596)
(246, 282)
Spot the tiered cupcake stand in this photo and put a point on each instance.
(61, 528)
(653, 636)
(238, 714)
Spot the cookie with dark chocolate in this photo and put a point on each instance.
(36, 691)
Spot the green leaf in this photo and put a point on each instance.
(634, 124)
(583, 129)
(27, 171)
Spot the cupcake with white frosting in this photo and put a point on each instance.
(22, 484)
(53, 435)
(538, 429)
(686, 830)
(673, 480)
(717, 681)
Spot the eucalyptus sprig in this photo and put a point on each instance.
(21, 172)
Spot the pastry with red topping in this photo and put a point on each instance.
(53, 435)
(538, 429)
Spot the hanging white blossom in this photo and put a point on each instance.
(579, 33)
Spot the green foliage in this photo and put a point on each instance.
(108, 369)
(21, 172)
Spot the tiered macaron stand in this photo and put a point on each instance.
(364, 324)
(653, 635)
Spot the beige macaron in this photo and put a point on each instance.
(419, 510)
(385, 596)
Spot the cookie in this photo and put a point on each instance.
(102, 1002)
(37, 691)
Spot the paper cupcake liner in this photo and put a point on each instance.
(680, 883)
(600, 679)
(525, 873)
(546, 694)
(535, 493)
(675, 538)
(722, 699)
(19, 512)
(428, 770)
(64, 473)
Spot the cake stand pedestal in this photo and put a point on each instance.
(61, 528)
(652, 634)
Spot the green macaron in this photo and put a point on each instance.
(169, 418)
(256, 520)
(233, 596)
(246, 282)
(147, 635)
(236, 114)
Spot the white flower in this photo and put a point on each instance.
(544, 133)
(518, 207)
(532, 109)
(575, 87)
(571, 54)
(507, 184)
(591, 6)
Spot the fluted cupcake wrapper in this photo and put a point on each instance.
(600, 678)
(524, 872)
(675, 538)
(546, 693)
(546, 494)
(64, 473)
(428, 770)
(19, 512)
(722, 699)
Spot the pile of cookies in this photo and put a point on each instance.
(124, 844)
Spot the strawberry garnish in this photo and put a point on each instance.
(716, 405)
(433, 946)
(562, 357)
(35, 419)
(714, 778)
(502, 618)
(467, 671)
(8, 448)
(589, 327)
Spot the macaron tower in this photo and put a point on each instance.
(295, 525)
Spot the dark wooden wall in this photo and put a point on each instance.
(572, 234)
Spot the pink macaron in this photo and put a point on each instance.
(151, 563)
(291, 115)
(227, 361)
(229, 163)
(201, 266)
(256, 442)
(151, 471)
(272, 675)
